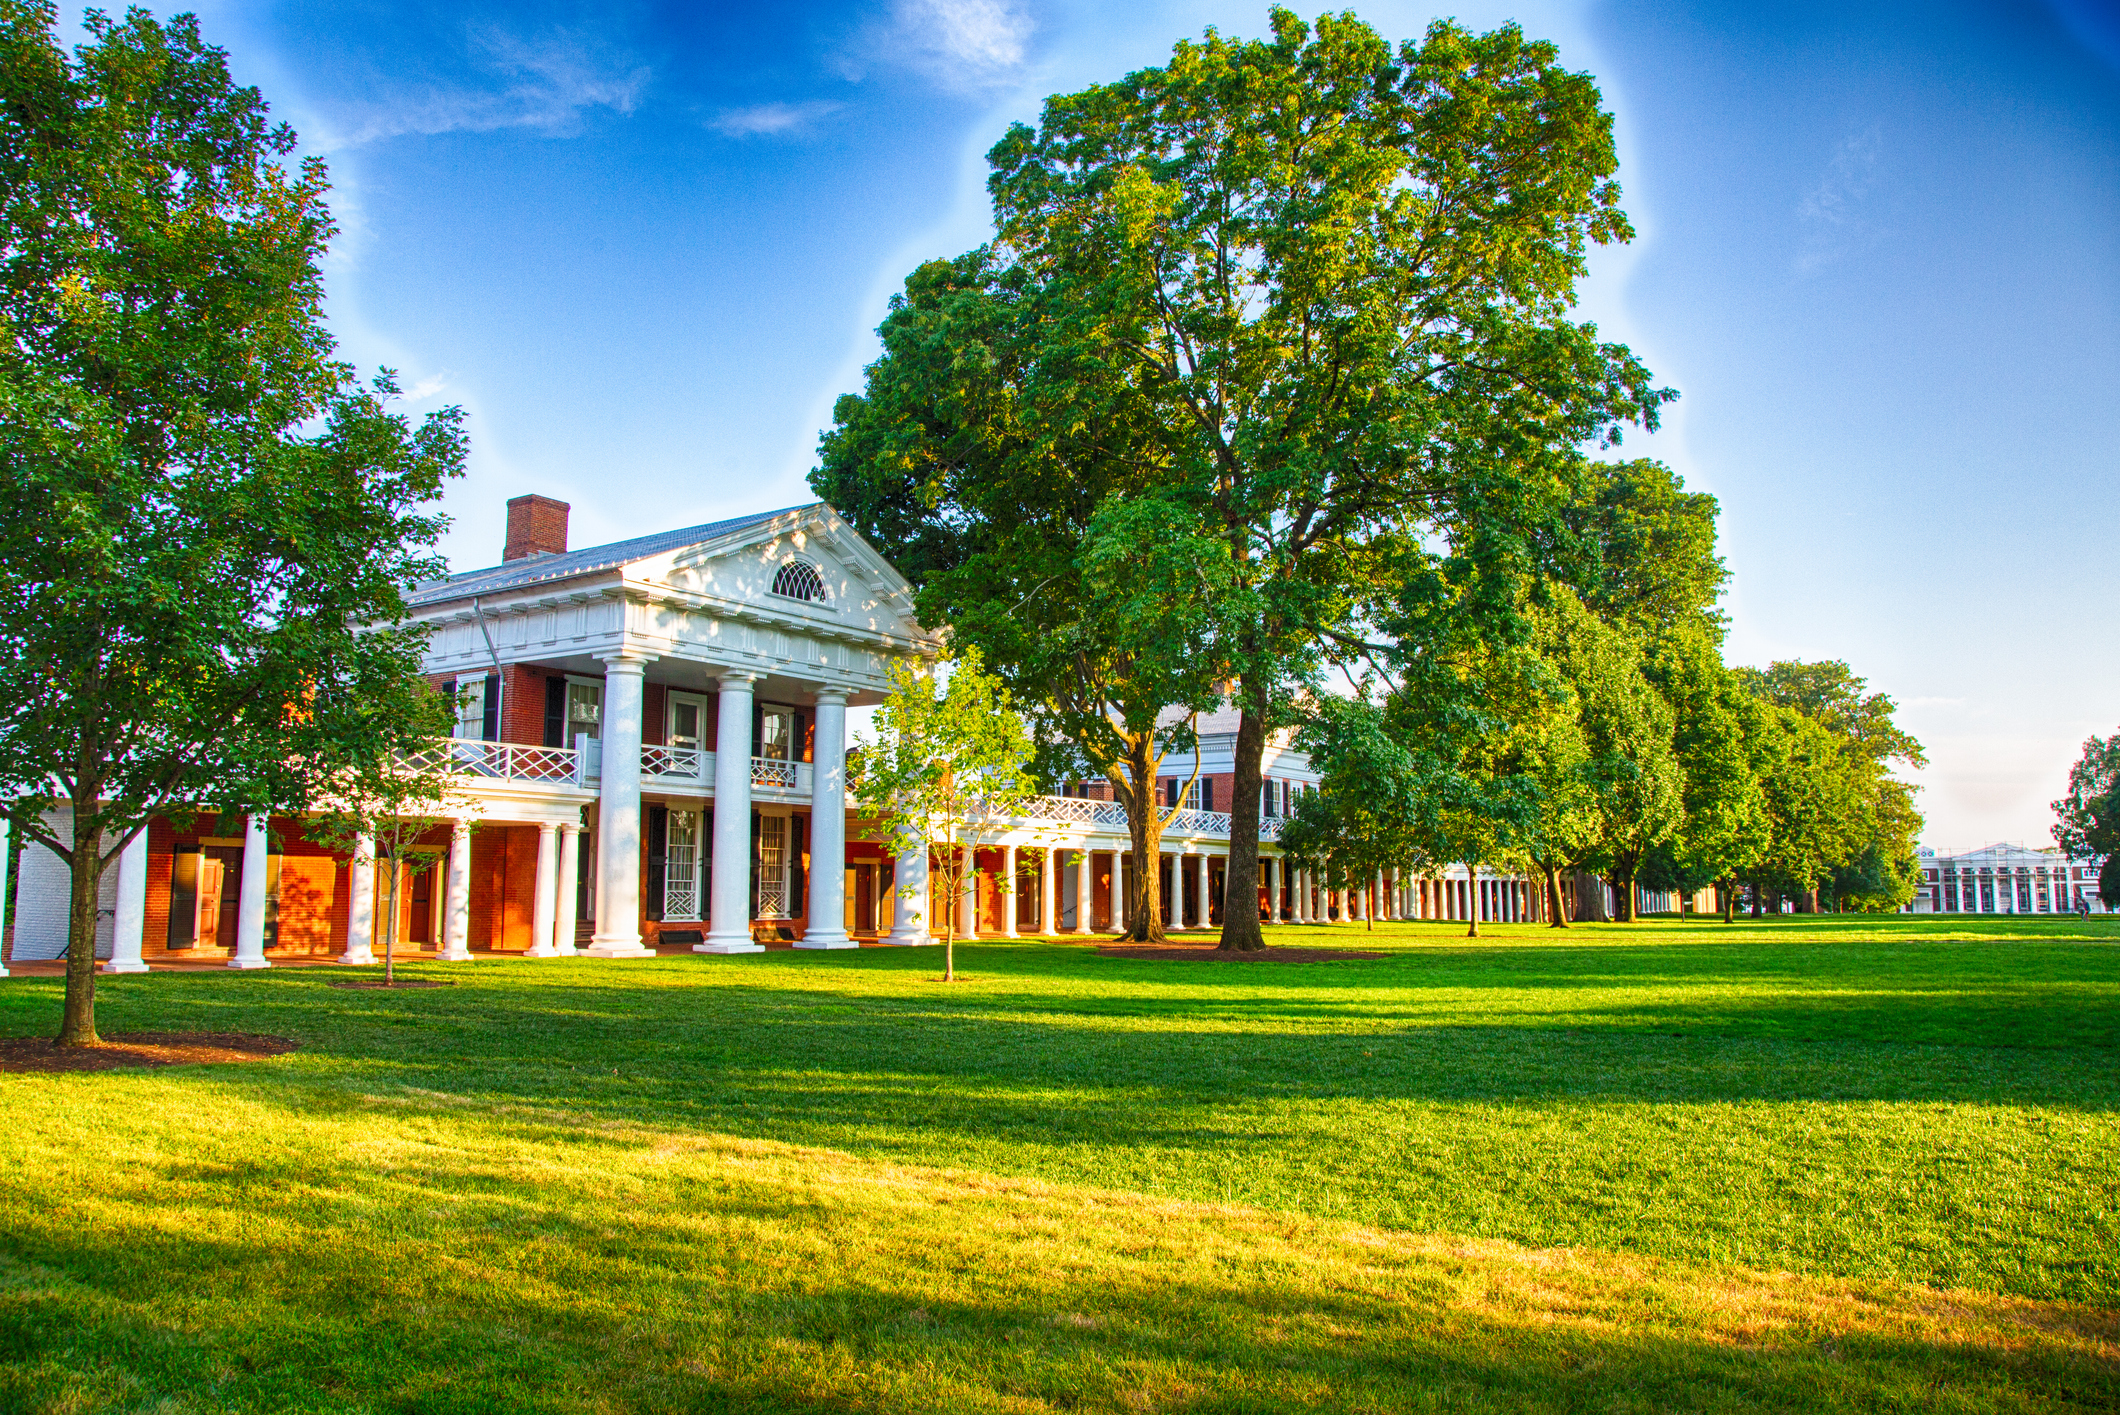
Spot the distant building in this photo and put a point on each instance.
(2004, 878)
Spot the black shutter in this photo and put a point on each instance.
(798, 843)
(801, 747)
(705, 867)
(184, 899)
(658, 859)
(555, 712)
(1207, 794)
(490, 729)
(456, 709)
(758, 737)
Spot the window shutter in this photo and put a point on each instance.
(798, 852)
(803, 744)
(555, 712)
(758, 737)
(456, 710)
(1207, 794)
(184, 898)
(490, 729)
(706, 863)
(658, 859)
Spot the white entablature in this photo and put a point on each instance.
(702, 594)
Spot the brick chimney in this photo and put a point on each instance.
(537, 525)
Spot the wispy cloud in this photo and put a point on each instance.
(962, 44)
(769, 119)
(545, 85)
(1832, 213)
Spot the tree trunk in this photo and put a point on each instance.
(1728, 891)
(1556, 908)
(1241, 932)
(77, 1027)
(1142, 916)
(1622, 899)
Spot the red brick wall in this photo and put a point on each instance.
(536, 525)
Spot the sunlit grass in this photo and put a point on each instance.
(1801, 1164)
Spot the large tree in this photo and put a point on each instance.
(207, 523)
(970, 461)
(1326, 284)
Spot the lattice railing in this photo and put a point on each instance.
(498, 761)
(1076, 808)
(771, 771)
(689, 762)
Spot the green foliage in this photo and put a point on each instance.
(207, 523)
(1644, 551)
(946, 761)
(2087, 819)
(1834, 804)
(1320, 287)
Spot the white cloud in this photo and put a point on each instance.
(546, 85)
(1832, 213)
(426, 388)
(962, 44)
(765, 119)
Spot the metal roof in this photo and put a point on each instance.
(541, 569)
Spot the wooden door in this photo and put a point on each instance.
(208, 900)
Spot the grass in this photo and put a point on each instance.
(1860, 1164)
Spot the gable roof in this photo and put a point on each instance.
(541, 569)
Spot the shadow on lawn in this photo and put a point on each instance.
(448, 1287)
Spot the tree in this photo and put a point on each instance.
(2087, 819)
(1721, 735)
(1374, 808)
(969, 461)
(387, 808)
(1833, 799)
(946, 762)
(207, 523)
(1335, 278)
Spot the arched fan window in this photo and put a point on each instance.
(798, 579)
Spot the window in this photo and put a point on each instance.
(776, 734)
(687, 717)
(585, 710)
(798, 579)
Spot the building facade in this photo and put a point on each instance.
(650, 754)
(2005, 878)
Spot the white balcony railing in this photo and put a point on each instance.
(500, 761)
(689, 763)
(1112, 814)
(771, 771)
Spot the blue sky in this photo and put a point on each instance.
(646, 246)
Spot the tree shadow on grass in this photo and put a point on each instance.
(451, 1280)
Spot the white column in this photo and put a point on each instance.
(729, 910)
(456, 900)
(618, 811)
(1008, 900)
(544, 903)
(564, 921)
(1085, 907)
(1049, 894)
(828, 828)
(968, 894)
(1273, 886)
(1119, 916)
(250, 908)
(360, 903)
(1206, 914)
(131, 915)
(1296, 912)
(909, 888)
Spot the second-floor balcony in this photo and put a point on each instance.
(691, 768)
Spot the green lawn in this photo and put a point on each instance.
(1862, 1164)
